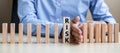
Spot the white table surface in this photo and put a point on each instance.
(59, 48)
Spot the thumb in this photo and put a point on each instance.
(76, 19)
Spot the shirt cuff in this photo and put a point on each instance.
(110, 20)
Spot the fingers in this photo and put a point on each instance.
(76, 32)
(76, 20)
(81, 40)
(80, 26)
(77, 37)
(77, 40)
(75, 28)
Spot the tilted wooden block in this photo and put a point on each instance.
(4, 32)
(12, 33)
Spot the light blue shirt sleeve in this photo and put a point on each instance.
(100, 11)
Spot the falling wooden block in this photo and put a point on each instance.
(91, 32)
(98, 33)
(12, 33)
(116, 31)
(85, 32)
(47, 33)
(66, 30)
(38, 28)
(104, 28)
(4, 32)
(110, 33)
(29, 32)
(20, 33)
(56, 33)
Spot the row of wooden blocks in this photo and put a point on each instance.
(29, 33)
(92, 33)
(100, 33)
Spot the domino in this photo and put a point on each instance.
(20, 33)
(4, 32)
(85, 32)
(38, 28)
(116, 31)
(104, 28)
(97, 32)
(66, 30)
(29, 32)
(91, 33)
(56, 33)
(110, 33)
(12, 33)
(47, 34)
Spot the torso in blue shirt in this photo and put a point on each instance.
(52, 11)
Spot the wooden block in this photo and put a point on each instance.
(116, 32)
(56, 33)
(38, 28)
(104, 28)
(98, 33)
(20, 33)
(110, 33)
(29, 32)
(47, 33)
(91, 32)
(4, 32)
(66, 30)
(12, 33)
(85, 33)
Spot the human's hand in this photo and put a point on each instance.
(76, 31)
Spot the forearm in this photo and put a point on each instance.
(100, 12)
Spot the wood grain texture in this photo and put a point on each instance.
(56, 33)
(110, 33)
(97, 33)
(38, 28)
(12, 33)
(20, 33)
(104, 28)
(47, 33)
(85, 32)
(91, 32)
(116, 33)
(29, 32)
(4, 32)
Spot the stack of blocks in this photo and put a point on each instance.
(92, 33)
